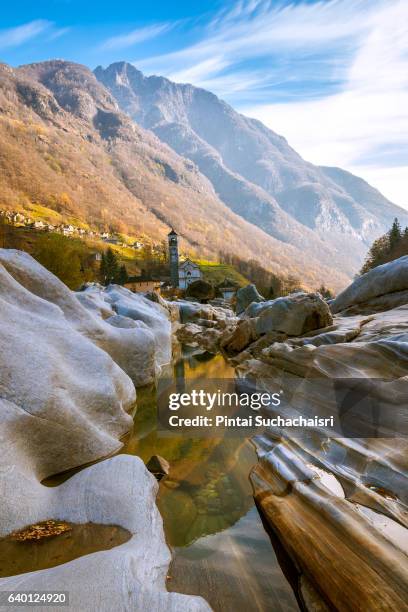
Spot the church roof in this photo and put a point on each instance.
(172, 233)
(188, 261)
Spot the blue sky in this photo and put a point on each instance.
(330, 75)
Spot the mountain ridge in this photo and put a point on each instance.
(65, 143)
(254, 170)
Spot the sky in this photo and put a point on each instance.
(329, 75)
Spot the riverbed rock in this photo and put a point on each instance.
(171, 307)
(64, 403)
(236, 340)
(294, 314)
(193, 312)
(246, 296)
(312, 487)
(54, 379)
(203, 337)
(101, 494)
(133, 349)
(383, 287)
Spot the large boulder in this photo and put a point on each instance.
(245, 296)
(200, 290)
(139, 351)
(55, 380)
(382, 287)
(64, 402)
(294, 315)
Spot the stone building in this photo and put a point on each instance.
(173, 257)
(142, 283)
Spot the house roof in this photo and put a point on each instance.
(143, 278)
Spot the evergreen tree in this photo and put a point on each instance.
(395, 233)
(390, 246)
(122, 276)
(109, 269)
(102, 269)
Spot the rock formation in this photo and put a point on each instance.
(277, 319)
(246, 296)
(339, 504)
(64, 402)
(381, 288)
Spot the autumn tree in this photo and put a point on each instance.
(325, 292)
(64, 258)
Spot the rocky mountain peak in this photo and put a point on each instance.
(254, 170)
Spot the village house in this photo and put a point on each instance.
(40, 225)
(142, 283)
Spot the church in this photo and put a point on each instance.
(188, 273)
(184, 273)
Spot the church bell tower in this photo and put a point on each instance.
(174, 258)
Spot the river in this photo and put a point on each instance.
(221, 550)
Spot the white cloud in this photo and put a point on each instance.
(364, 127)
(136, 36)
(14, 37)
(343, 62)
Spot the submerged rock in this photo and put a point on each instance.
(158, 466)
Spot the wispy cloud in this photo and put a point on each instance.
(57, 33)
(14, 37)
(363, 126)
(136, 36)
(258, 29)
(331, 75)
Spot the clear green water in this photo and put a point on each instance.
(221, 550)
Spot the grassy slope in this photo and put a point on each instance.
(216, 273)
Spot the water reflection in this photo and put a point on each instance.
(207, 489)
(221, 549)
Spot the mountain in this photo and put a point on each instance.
(66, 145)
(255, 172)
